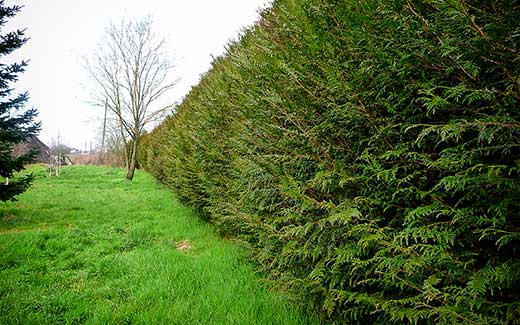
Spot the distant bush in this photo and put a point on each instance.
(369, 153)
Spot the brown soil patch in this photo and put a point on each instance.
(34, 229)
(183, 245)
(17, 230)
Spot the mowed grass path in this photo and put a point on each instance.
(91, 247)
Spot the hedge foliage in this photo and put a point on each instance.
(369, 153)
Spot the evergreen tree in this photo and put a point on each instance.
(16, 124)
(369, 152)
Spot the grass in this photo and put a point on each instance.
(91, 247)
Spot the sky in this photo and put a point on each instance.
(63, 32)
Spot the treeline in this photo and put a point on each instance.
(369, 153)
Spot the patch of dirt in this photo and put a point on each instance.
(183, 245)
(43, 227)
(15, 231)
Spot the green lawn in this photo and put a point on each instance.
(91, 247)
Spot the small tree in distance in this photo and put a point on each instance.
(131, 73)
(15, 126)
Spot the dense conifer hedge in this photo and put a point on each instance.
(369, 153)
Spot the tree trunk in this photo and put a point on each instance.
(125, 144)
(133, 161)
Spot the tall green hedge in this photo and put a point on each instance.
(369, 153)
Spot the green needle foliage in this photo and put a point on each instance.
(15, 126)
(369, 153)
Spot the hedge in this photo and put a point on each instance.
(368, 151)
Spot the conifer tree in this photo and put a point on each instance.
(16, 124)
(369, 152)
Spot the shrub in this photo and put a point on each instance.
(369, 153)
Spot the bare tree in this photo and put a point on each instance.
(132, 72)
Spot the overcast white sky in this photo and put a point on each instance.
(64, 31)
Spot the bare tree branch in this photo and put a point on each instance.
(132, 73)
